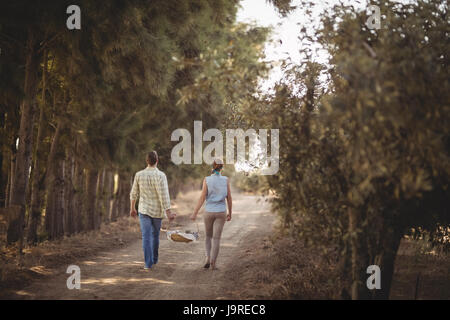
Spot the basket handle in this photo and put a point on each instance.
(168, 227)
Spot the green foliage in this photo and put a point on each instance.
(112, 89)
(250, 182)
(230, 69)
(362, 162)
(365, 161)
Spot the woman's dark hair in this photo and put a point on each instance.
(152, 157)
(217, 165)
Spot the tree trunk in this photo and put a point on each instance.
(3, 178)
(55, 206)
(21, 174)
(77, 204)
(30, 171)
(121, 206)
(69, 213)
(359, 257)
(91, 190)
(100, 199)
(12, 170)
(50, 213)
(52, 178)
(37, 191)
(115, 199)
(109, 190)
(59, 186)
(8, 185)
(124, 196)
(391, 237)
(345, 278)
(5, 205)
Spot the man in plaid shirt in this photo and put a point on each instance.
(150, 186)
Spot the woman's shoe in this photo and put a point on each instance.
(207, 264)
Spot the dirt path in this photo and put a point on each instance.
(179, 274)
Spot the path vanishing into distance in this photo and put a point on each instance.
(179, 274)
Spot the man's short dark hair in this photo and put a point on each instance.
(152, 157)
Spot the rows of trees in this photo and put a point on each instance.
(80, 108)
(364, 139)
(364, 157)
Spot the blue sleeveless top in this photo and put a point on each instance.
(217, 192)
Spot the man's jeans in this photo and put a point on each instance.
(150, 228)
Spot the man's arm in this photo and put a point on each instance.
(165, 198)
(134, 194)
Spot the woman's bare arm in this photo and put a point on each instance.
(229, 200)
(200, 200)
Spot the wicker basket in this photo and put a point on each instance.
(180, 236)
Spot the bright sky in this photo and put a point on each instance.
(286, 29)
(264, 14)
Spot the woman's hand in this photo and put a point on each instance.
(228, 216)
(193, 216)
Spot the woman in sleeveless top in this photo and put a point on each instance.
(216, 188)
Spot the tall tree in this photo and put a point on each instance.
(369, 160)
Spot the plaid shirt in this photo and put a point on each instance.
(150, 186)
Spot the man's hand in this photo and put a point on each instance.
(228, 216)
(193, 216)
(133, 213)
(170, 215)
